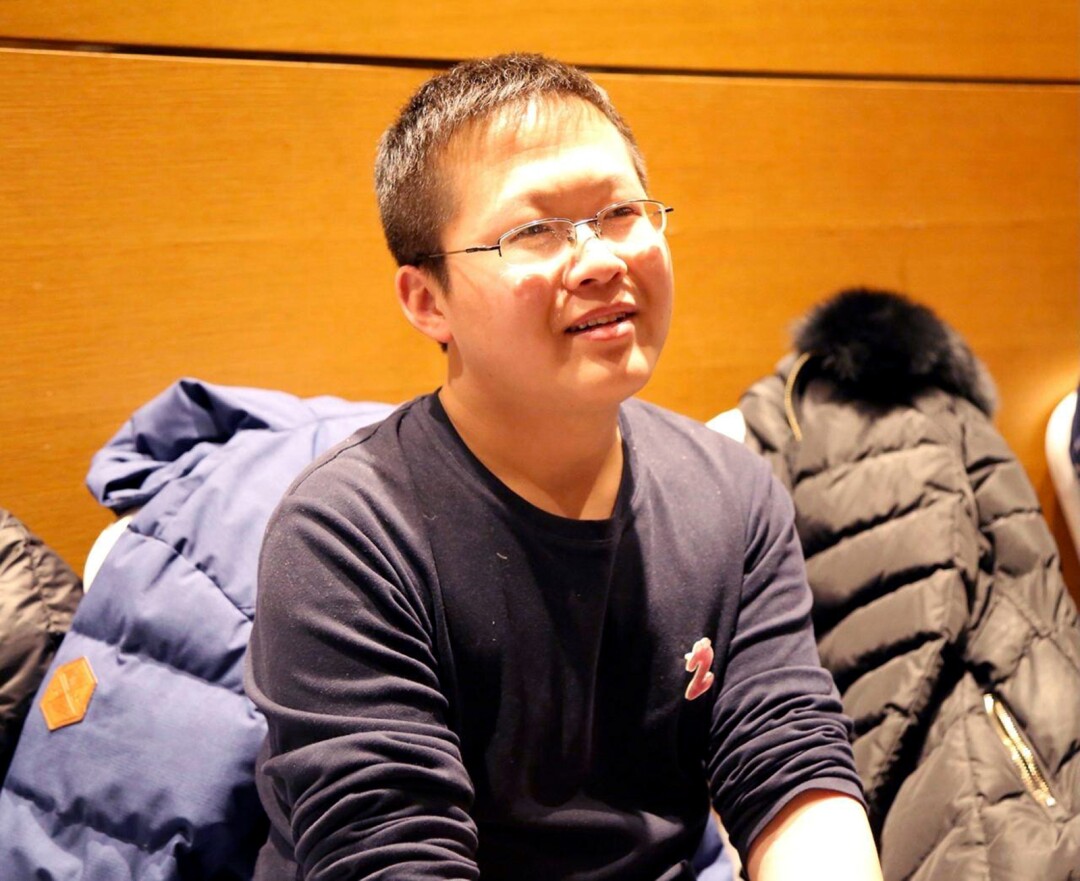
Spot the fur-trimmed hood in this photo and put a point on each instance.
(882, 347)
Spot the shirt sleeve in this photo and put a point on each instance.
(342, 662)
(777, 728)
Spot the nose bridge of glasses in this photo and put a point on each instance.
(590, 223)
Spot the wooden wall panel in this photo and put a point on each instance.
(938, 38)
(168, 218)
(966, 197)
(171, 217)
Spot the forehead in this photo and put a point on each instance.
(526, 151)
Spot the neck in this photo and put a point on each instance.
(565, 463)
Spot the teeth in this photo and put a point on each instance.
(597, 322)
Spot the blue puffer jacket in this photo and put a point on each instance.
(156, 782)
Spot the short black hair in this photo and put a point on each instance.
(415, 204)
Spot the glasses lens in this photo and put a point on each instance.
(537, 242)
(632, 221)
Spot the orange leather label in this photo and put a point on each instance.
(68, 694)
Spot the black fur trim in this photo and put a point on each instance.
(883, 347)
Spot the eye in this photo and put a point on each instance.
(621, 222)
(624, 210)
(537, 241)
(540, 229)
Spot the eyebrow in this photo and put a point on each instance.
(537, 200)
(609, 183)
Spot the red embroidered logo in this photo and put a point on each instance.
(698, 661)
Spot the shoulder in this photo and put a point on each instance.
(716, 492)
(372, 460)
(358, 497)
(717, 487)
(678, 448)
(349, 530)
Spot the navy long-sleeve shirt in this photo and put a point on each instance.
(460, 685)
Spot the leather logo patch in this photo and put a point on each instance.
(68, 694)
(698, 661)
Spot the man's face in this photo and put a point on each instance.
(515, 332)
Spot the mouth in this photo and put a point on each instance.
(601, 321)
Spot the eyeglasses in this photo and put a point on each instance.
(635, 222)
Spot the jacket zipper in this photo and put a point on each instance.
(1020, 751)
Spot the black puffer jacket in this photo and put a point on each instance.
(939, 601)
(38, 596)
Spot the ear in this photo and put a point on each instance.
(422, 300)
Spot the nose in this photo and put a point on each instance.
(593, 260)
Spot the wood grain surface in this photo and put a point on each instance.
(169, 217)
(1013, 39)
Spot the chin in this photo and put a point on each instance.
(640, 366)
(613, 384)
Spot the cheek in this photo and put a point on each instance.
(528, 286)
(532, 289)
(496, 294)
(653, 270)
(655, 260)
(514, 301)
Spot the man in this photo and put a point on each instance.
(527, 627)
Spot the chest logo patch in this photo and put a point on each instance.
(698, 661)
(68, 694)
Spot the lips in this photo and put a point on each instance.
(600, 320)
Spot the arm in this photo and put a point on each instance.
(778, 731)
(818, 835)
(343, 664)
